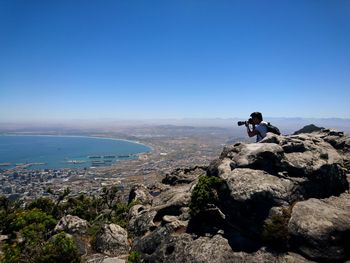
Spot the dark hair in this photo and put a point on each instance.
(257, 115)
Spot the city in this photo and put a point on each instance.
(172, 147)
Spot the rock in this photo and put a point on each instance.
(305, 156)
(141, 220)
(262, 156)
(251, 194)
(100, 258)
(78, 228)
(112, 240)
(264, 255)
(216, 249)
(320, 229)
(309, 129)
(141, 194)
(172, 201)
(184, 176)
(72, 225)
(247, 185)
(261, 184)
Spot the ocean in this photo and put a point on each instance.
(56, 152)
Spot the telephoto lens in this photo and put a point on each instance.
(240, 123)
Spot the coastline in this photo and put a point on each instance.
(149, 149)
(77, 136)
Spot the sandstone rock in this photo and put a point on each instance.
(72, 225)
(216, 249)
(247, 185)
(251, 195)
(141, 194)
(262, 156)
(112, 240)
(305, 156)
(172, 201)
(142, 222)
(320, 229)
(100, 258)
(261, 181)
(184, 176)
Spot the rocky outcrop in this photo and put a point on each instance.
(112, 240)
(284, 199)
(184, 176)
(308, 129)
(320, 229)
(77, 228)
(140, 193)
(72, 225)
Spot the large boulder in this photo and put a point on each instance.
(320, 229)
(306, 158)
(72, 225)
(112, 240)
(162, 247)
(172, 202)
(247, 185)
(78, 228)
(184, 175)
(140, 193)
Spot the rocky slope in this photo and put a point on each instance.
(284, 199)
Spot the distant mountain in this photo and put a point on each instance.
(308, 129)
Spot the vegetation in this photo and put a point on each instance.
(205, 192)
(30, 227)
(134, 257)
(275, 230)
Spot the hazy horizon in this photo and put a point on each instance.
(285, 124)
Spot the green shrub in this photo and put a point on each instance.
(29, 231)
(134, 257)
(60, 248)
(205, 192)
(43, 203)
(275, 229)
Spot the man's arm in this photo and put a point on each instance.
(253, 132)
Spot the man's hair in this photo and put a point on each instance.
(257, 115)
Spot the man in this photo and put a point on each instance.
(259, 126)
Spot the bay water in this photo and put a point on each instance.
(55, 152)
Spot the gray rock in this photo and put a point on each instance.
(216, 249)
(141, 194)
(72, 225)
(262, 156)
(76, 227)
(184, 175)
(172, 201)
(320, 229)
(305, 156)
(141, 220)
(260, 181)
(100, 258)
(246, 185)
(112, 240)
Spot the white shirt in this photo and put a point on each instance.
(262, 130)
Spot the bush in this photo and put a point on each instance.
(43, 203)
(60, 248)
(206, 191)
(134, 257)
(275, 230)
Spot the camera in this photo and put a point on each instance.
(250, 121)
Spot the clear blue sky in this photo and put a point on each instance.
(71, 59)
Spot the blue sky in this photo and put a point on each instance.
(71, 59)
